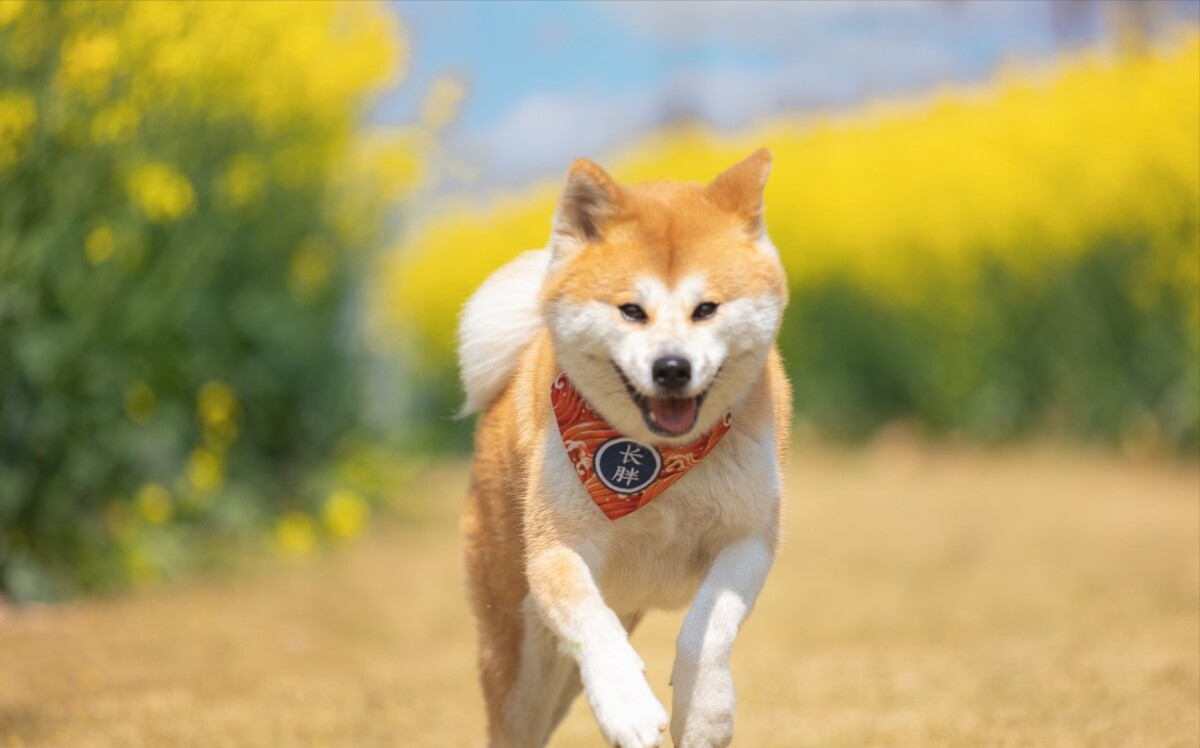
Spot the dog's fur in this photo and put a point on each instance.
(555, 585)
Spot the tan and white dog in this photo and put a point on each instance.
(656, 308)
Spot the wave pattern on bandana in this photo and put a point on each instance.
(621, 474)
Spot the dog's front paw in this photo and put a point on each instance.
(626, 709)
(703, 707)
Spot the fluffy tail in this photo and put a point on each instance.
(496, 323)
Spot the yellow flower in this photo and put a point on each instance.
(161, 192)
(139, 402)
(295, 534)
(9, 10)
(98, 246)
(88, 60)
(344, 513)
(115, 124)
(18, 116)
(216, 403)
(154, 503)
(205, 470)
(217, 409)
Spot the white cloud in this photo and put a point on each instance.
(542, 133)
(777, 23)
(830, 54)
(750, 20)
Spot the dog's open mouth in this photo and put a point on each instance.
(666, 416)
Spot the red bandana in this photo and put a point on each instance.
(621, 474)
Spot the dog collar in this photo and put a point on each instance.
(621, 474)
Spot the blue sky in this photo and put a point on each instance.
(551, 81)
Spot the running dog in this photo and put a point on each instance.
(634, 415)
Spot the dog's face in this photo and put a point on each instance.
(663, 300)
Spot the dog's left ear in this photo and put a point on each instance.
(739, 189)
(590, 200)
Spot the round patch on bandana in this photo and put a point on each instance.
(627, 466)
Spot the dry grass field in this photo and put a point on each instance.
(925, 597)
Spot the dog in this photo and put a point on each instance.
(634, 417)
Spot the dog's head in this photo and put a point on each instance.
(663, 299)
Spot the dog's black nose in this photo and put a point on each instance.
(672, 372)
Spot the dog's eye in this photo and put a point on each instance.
(633, 312)
(704, 311)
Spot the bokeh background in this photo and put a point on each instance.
(235, 236)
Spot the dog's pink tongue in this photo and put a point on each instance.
(674, 415)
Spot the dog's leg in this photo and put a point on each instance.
(702, 709)
(546, 683)
(565, 592)
(574, 685)
(567, 696)
(501, 633)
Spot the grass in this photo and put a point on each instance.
(925, 597)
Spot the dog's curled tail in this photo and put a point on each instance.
(496, 323)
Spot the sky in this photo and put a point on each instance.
(548, 82)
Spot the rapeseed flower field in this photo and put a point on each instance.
(210, 336)
(1018, 257)
(187, 196)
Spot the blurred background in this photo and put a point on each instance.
(235, 237)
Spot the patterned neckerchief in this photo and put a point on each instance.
(621, 474)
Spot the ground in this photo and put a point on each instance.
(924, 597)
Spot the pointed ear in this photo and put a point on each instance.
(739, 189)
(590, 200)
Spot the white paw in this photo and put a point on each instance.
(626, 709)
(703, 707)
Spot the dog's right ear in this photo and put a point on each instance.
(590, 200)
(739, 189)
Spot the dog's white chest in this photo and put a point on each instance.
(656, 556)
